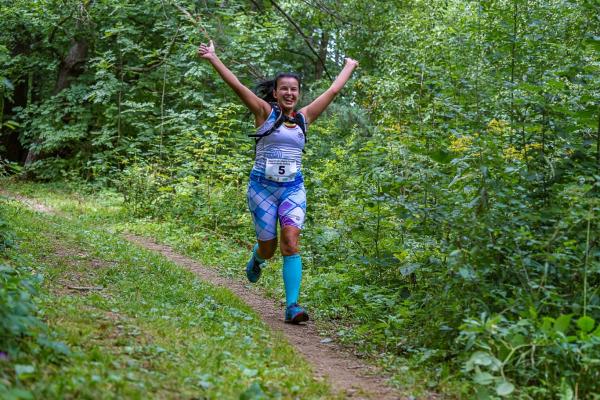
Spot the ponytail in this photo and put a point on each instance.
(264, 89)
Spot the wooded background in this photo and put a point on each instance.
(453, 186)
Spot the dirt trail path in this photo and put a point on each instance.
(344, 371)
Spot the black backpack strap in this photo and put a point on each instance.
(301, 121)
(278, 121)
(298, 119)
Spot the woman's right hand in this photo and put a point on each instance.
(351, 62)
(207, 51)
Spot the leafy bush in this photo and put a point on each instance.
(17, 291)
(8, 168)
(18, 312)
(21, 330)
(168, 193)
(7, 236)
(139, 185)
(533, 357)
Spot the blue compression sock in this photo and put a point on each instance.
(256, 256)
(292, 275)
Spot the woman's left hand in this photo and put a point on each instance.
(207, 51)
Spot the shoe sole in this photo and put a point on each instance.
(250, 280)
(301, 317)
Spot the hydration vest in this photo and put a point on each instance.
(280, 118)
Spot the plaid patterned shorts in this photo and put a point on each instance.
(269, 202)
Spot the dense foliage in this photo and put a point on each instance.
(22, 332)
(17, 311)
(453, 189)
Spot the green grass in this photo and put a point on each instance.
(103, 209)
(152, 331)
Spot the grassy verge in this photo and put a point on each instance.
(133, 324)
(104, 209)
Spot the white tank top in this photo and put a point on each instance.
(285, 142)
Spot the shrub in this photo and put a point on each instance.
(534, 356)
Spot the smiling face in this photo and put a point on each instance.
(286, 93)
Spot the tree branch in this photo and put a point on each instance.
(194, 21)
(306, 38)
(157, 63)
(323, 8)
(258, 6)
(56, 26)
(301, 53)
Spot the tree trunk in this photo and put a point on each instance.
(257, 6)
(70, 67)
(324, 42)
(598, 144)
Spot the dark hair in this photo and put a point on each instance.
(264, 89)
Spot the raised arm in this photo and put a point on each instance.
(255, 104)
(314, 109)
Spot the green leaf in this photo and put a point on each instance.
(483, 378)
(467, 273)
(586, 324)
(593, 42)
(409, 269)
(57, 347)
(12, 124)
(254, 392)
(7, 84)
(546, 326)
(562, 323)
(17, 394)
(249, 372)
(483, 393)
(441, 156)
(483, 359)
(517, 340)
(566, 391)
(24, 370)
(504, 388)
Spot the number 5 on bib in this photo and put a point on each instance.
(281, 170)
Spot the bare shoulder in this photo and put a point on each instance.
(304, 111)
(263, 113)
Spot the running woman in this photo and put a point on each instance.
(276, 189)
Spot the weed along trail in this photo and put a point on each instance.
(348, 375)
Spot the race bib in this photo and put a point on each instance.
(281, 170)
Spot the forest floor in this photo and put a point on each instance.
(349, 376)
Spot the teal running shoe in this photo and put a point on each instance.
(254, 269)
(295, 314)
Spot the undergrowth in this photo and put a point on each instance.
(126, 323)
(425, 334)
